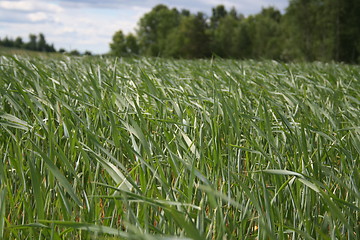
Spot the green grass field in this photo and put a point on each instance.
(95, 148)
(6, 51)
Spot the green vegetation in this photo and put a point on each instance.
(316, 30)
(36, 43)
(95, 148)
(6, 51)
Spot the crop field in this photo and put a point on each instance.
(147, 148)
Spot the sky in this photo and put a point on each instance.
(90, 24)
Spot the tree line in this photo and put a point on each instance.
(35, 43)
(316, 30)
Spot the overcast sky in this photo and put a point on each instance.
(90, 24)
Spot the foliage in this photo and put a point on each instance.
(74, 52)
(189, 39)
(265, 34)
(161, 149)
(224, 37)
(124, 45)
(218, 13)
(36, 43)
(154, 27)
(322, 30)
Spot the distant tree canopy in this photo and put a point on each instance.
(36, 43)
(322, 30)
(124, 45)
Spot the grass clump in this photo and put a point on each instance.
(159, 149)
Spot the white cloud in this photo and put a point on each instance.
(246, 6)
(38, 16)
(30, 5)
(66, 30)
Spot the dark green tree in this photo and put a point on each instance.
(7, 42)
(243, 44)
(301, 25)
(185, 13)
(18, 43)
(225, 37)
(35, 43)
(347, 30)
(218, 13)
(323, 30)
(32, 44)
(50, 48)
(118, 46)
(265, 34)
(132, 46)
(189, 39)
(230, 34)
(124, 45)
(62, 50)
(74, 52)
(154, 28)
(41, 43)
(310, 30)
(234, 13)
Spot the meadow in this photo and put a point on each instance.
(148, 148)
